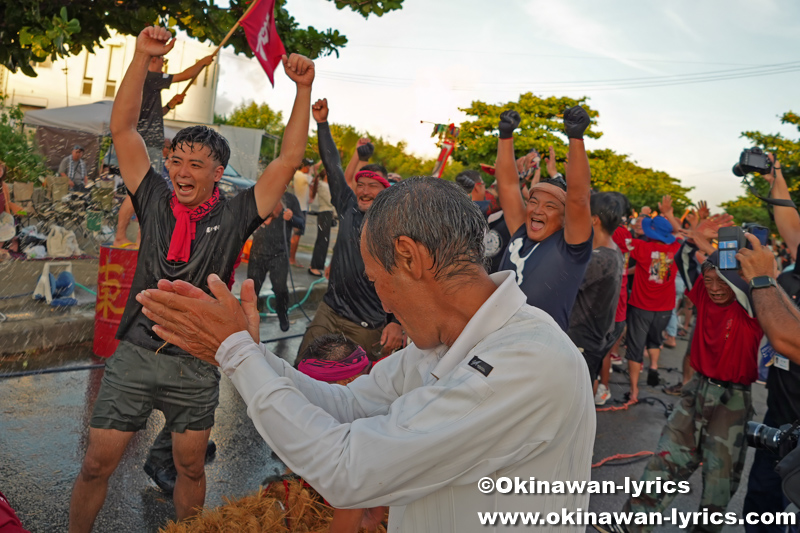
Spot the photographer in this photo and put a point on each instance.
(707, 426)
(780, 320)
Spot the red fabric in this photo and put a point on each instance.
(654, 277)
(373, 175)
(180, 245)
(9, 522)
(262, 36)
(623, 239)
(725, 342)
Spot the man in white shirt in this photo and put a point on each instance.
(491, 387)
(299, 187)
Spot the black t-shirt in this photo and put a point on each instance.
(350, 294)
(496, 240)
(783, 400)
(151, 120)
(593, 314)
(549, 272)
(271, 239)
(219, 238)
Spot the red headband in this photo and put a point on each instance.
(332, 371)
(372, 175)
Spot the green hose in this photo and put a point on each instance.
(298, 304)
(87, 289)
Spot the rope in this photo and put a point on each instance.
(622, 456)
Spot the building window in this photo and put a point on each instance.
(88, 74)
(114, 66)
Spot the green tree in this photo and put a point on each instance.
(748, 208)
(541, 127)
(260, 117)
(393, 156)
(23, 161)
(33, 30)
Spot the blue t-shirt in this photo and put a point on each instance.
(549, 272)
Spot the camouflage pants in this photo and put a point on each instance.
(706, 427)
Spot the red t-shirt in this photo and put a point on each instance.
(623, 239)
(9, 523)
(654, 277)
(725, 342)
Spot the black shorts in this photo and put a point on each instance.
(614, 335)
(644, 331)
(594, 360)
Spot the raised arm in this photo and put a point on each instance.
(668, 212)
(578, 219)
(270, 186)
(195, 69)
(329, 154)
(362, 153)
(786, 218)
(131, 151)
(505, 170)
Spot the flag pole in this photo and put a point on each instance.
(221, 44)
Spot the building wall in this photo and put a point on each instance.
(87, 78)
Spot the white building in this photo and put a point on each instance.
(87, 78)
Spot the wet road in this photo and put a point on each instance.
(43, 432)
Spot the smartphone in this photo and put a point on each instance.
(759, 231)
(731, 240)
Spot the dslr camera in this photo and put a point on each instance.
(779, 441)
(752, 160)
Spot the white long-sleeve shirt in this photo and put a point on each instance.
(424, 426)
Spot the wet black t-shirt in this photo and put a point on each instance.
(549, 272)
(593, 314)
(151, 118)
(350, 294)
(496, 240)
(219, 238)
(272, 239)
(783, 380)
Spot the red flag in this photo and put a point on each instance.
(262, 36)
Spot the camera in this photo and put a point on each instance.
(732, 239)
(752, 160)
(779, 441)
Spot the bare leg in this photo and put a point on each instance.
(688, 371)
(293, 250)
(654, 353)
(106, 447)
(605, 370)
(346, 520)
(189, 452)
(633, 370)
(126, 212)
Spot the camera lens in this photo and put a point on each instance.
(763, 436)
(737, 170)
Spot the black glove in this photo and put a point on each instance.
(576, 120)
(509, 121)
(365, 151)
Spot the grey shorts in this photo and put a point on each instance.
(136, 381)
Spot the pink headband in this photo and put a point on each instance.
(372, 175)
(331, 371)
(549, 188)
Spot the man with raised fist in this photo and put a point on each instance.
(187, 234)
(551, 241)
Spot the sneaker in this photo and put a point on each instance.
(614, 527)
(211, 451)
(653, 379)
(615, 359)
(673, 390)
(602, 396)
(284, 321)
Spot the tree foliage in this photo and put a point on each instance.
(33, 30)
(541, 127)
(748, 208)
(252, 115)
(23, 161)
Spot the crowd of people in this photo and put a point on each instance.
(466, 333)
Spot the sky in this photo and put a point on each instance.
(425, 61)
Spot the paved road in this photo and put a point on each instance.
(43, 437)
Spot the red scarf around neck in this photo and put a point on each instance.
(180, 246)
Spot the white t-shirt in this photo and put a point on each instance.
(300, 185)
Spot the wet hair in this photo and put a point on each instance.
(467, 179)
(433, 212)
(706, 266)
(558, 182)
(627, 208)
(376, 167)
(608, 209)
(330, 347)
(205, 137)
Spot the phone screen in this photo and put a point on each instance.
(727, 255)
